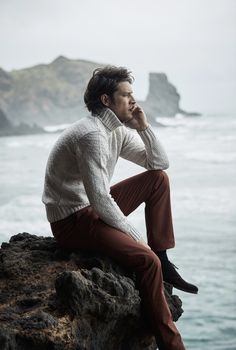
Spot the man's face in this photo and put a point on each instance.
(123, 101)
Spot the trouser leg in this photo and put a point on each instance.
(147, 267)
(86, 231)
(89, 233)
(151, 187)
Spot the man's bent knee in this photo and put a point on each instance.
(160, 175)
(149, 258)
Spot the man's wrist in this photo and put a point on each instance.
(143, 127)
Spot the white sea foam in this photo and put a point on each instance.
(215, 200)
(227, 138)
(41, 140)
(23, 213)
(54, 128)
(212, 157)
(179, 120)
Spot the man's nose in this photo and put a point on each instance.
(133, 100)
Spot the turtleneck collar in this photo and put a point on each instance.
(109, 119)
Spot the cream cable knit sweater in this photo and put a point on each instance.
(82, 162)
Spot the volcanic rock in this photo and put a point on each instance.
(59, 300)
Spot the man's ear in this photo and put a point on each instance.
(105, 99)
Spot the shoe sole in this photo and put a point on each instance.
(185, 290)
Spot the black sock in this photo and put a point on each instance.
(162, 255)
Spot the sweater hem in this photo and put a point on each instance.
(56, 213)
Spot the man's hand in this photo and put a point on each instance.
(139, 120)
(141, 241)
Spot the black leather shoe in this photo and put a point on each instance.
(159, 343)
(170, 275)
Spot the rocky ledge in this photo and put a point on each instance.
(56, 300)
(8, 129)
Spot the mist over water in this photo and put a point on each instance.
(202, 154)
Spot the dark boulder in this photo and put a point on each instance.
(53, 299)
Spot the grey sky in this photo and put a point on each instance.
(193, 41)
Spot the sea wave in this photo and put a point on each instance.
(33, 220)
(55, 128)
(215, 200)
(212, 157)
(41, 141)
(227, 138)
(178, 120)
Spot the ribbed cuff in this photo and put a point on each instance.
(56, 213)
(144, 133)
(143, 129)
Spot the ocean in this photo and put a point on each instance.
(202, 154)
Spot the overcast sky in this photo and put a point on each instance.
(192, 41)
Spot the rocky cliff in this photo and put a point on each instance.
(55, 300)
(53, 93)
(163, 98)
(8, 129)
(46, 94)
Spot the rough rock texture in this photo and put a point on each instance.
(50, 299)
(49, 94)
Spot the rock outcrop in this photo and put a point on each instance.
(55, 300)
(47, 94)
(8, 129)
(52, 94)
(5, 124)
(163, 98)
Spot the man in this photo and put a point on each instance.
(85, 213)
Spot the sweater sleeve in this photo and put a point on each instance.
(92, 156)
(145, 150)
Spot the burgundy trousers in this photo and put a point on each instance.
(86, 231)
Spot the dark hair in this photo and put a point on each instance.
(104, 81)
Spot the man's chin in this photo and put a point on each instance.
(128, 117)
